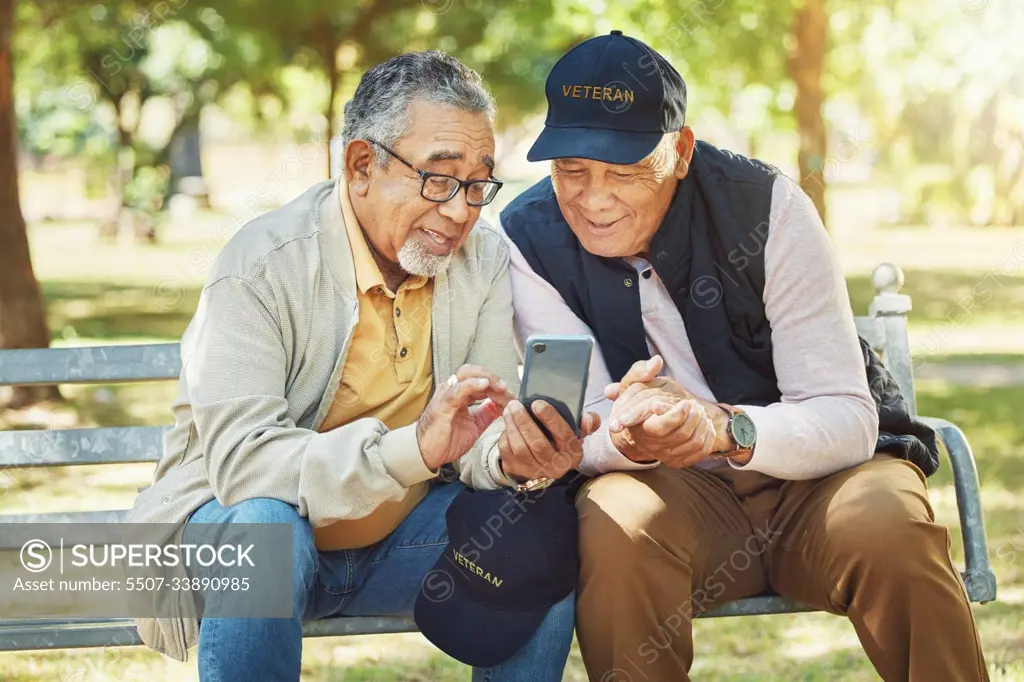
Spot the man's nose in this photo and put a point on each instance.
(595, 199)
(456, 209)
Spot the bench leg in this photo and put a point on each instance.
(979, 578)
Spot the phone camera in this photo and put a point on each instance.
(539, 347)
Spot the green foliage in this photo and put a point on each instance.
(942, 92)
(946, 93)
(47, 125)
(147, 188)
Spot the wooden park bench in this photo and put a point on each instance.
(885, 328)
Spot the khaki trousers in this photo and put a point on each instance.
(658, 547)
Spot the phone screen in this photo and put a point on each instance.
(556, 369)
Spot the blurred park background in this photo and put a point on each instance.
(137, 137)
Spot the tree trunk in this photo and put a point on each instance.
(332, 74)
(22, 313)
(805, 64)
(124, 169)
(327, 44)
(184, 157)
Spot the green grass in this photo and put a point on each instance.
(118, 312)
(966, 285)
(978, 358)
(127, 293)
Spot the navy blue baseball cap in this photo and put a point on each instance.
(510, 557)
(612, 99)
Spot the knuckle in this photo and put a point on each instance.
(656, 429)
(634, 389)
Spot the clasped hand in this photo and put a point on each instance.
(656, 419)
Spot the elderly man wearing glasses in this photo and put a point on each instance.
(332, 372)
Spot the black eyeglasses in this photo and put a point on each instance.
(440, 188)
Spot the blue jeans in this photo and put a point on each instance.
(380, 580)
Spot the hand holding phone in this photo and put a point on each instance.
(544, 433)
(556, 369)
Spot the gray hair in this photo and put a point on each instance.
(664, 157)
(379, 109)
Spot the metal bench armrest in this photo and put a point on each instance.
(979, 578)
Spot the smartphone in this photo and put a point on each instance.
(556, 369)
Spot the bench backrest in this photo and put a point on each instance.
(885, 329)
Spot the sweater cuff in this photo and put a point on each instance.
(400, 452)
(492, 461)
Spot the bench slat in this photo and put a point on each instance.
(21, 635)
(98, 364)
(26, 635)
(125, 444)
(104, 516)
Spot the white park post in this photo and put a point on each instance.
(891, 307)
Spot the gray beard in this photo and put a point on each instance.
(417, 259)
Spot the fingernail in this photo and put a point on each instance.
(502, 385)
(614, 425)
(515, 406)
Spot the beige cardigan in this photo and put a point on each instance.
(261, 360)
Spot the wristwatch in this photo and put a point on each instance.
(741, 430)
(532, 485)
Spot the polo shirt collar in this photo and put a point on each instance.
(368, 275)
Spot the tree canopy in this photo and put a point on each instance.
(944, 125)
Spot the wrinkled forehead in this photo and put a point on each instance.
(441, 134)
(475, 157)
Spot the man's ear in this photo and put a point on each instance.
(359, 164)
(684, 152)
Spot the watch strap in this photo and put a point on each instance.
(525, 486)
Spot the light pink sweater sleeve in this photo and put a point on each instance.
(826, 419)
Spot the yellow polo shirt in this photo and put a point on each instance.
(388, 375)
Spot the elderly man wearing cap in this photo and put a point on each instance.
(741, 450)
(348, 349)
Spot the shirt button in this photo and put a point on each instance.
(683, 291)
(647, 274)
(662, 256)
(398, 312)
(628, 282)
(404, 352)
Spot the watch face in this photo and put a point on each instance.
(743, 431)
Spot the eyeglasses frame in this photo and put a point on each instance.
(426, 175)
